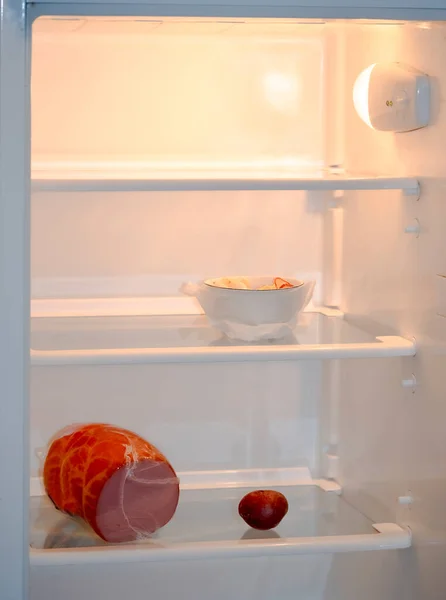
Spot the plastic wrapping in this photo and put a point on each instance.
(114, 480)
(252, 315)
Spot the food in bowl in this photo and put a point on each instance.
(252, 309)
(244, 283)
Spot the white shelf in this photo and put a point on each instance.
(144, 180)
(207, 525)
(181, 338)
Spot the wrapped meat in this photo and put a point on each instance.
(119, 483)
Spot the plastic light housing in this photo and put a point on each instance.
(392, 97)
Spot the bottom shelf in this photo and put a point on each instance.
(207, 525)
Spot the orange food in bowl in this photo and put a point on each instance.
(282, 283)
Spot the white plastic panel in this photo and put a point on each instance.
(391, 439)
(151, 243)
(183, 96)
(204, 417)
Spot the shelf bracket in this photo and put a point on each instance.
(329, 485)
(413, 191)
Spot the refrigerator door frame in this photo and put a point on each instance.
(14, 300)
(302, 9)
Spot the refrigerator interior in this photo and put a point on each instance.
(169, 150)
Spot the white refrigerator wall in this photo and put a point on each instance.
(94, 244)
(177, 94)
(171, 97)
(391, 438)
(203, 417)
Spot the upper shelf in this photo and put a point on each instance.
(111, 179)
(174, 339)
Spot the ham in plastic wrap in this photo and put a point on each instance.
(113, 479)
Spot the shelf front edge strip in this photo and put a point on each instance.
(409, 185)
(387, 346)
(390, 536)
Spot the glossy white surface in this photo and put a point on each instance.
(138, 340)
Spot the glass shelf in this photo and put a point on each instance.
(182, 338)
(207, 524)
(143, 180)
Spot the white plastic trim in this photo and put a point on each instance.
(130, 180)
(327, 311)
(405, 500)
(390, 529)
(409, 383)
(389, 536)
(329, 485)
(414, 192)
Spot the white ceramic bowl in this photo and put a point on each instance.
(252, 314)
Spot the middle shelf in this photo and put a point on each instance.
(189, 338)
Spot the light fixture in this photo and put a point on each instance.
(392, 97)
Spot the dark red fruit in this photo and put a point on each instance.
(263, 509)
